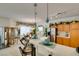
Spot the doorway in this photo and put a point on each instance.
(10, 36)
(2, 45)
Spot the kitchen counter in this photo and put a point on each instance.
(55, 49)
(63, 37)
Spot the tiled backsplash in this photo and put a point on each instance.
(63, 34)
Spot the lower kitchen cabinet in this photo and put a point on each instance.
(74, 42)
(66, 41)
(59, 40)
(63, 41)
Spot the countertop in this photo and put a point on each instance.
(57, 49)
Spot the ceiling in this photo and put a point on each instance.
(25, 11)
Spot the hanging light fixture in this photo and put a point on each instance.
(47, 20)
(35, 14)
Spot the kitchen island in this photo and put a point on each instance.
(54, 50)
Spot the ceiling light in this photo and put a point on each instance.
(35, 14)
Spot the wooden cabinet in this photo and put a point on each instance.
(74, 41)
(60, 27)
(74, 34)
(66, 41)
(59, 40)
(66, 27)
(74, 26)
(73, 30)
(63, 41)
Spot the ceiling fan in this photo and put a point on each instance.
(58, 15)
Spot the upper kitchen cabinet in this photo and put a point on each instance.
(53, 25)
(74, 26)
(60, 27)
(66, 27)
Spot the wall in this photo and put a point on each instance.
(12, 23)
(4, 22)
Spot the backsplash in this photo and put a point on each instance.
(63, 34)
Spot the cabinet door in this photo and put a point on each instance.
(74, 38)
(60, 27)
(66, 41)
(66, 27)
(74, 26)
(59, 40)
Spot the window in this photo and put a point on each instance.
(40, 28)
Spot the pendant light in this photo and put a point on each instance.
(47, 20)
(35, 14)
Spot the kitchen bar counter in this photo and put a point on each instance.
(55, 49)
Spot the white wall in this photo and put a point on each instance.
(12, 23)
(4, 22)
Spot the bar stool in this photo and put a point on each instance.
(25, 52)
(27, 49)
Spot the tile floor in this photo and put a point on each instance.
(11, 51)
